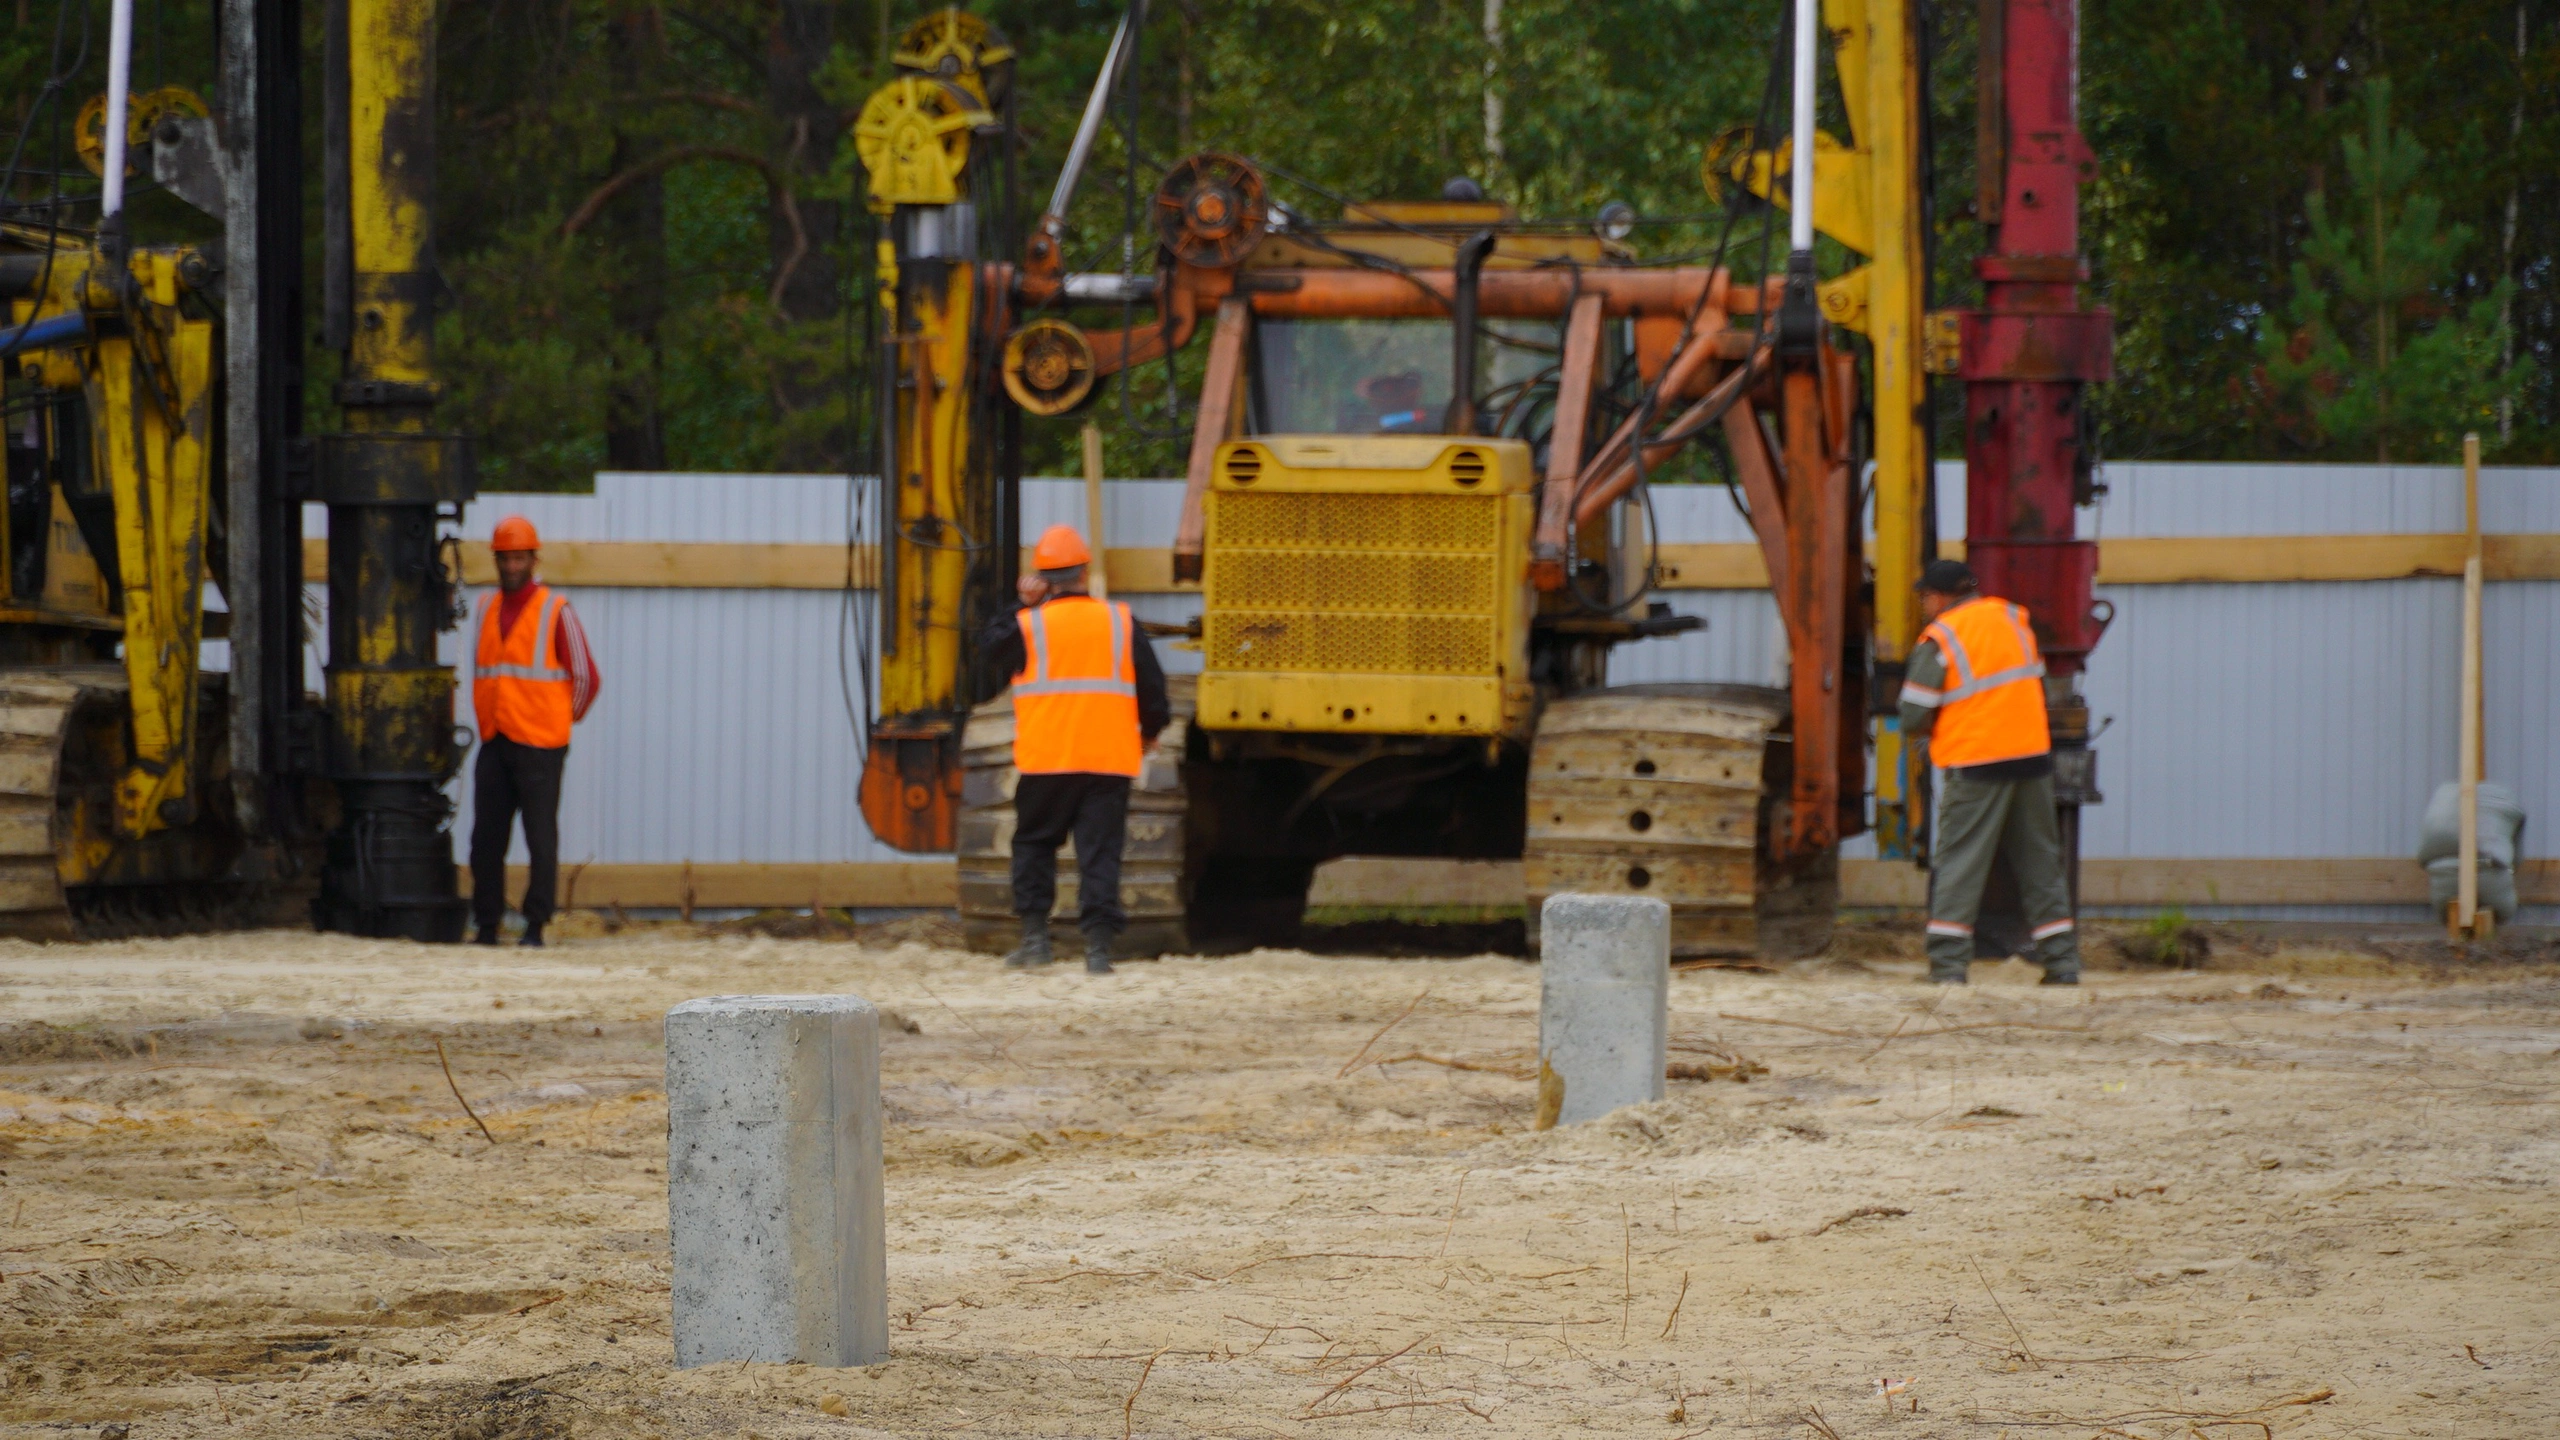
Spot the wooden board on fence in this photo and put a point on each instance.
(885, 885)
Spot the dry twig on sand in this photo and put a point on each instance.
(1003, 1052)
(1354, 1062)
(1454, 1203)
(2015, 1333)
(1129, 1407)
(1303, 1255)
(1881, 1212)
(1270, 1330)
(1889, 1039)
(1898, 1032)
(1453, 1063)
(1081, 1273)
(1689, 1070)
(1821, 1427)
(2208, 1419)
(457, 1094)
(1680, 1300)
(1345, 1382)
(1626, 1270)
(1404, 1405)
(1794, 1025)
(1722, 1064)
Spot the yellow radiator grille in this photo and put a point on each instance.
(1354, 580)
(1351, 643)
(1368, 583)
(1336, 521)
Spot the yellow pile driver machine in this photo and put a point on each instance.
(155, 443)
(1415, 510)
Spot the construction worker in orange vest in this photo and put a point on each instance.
(1973, 692)
(532, 677)
(1088, 699)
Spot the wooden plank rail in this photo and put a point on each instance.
(933, 883)
(885, 885)
(1142, 570)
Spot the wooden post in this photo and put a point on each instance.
(2466, 904)
(1097, 579)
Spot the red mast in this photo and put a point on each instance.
(2030, 354)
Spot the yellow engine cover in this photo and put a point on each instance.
(1369, 584)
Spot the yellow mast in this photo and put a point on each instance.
(1879, 63)
(1866, 196)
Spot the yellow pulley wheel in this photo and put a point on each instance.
(142, 115)
(913, 136)
(957, 46)
(1048, 367)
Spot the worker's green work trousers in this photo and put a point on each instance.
(1976, 821)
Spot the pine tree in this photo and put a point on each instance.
(2375, 353)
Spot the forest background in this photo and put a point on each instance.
(2326, 227)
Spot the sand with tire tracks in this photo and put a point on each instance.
(237, 1198)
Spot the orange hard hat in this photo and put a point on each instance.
(514, 533)
(1060, 548)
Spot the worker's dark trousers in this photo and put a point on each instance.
(513, 778)
(1976, 821)
(1048, 809)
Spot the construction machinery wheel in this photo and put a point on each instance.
(1152, 886)
(1666, 791)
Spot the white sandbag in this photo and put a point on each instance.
(2497, 887)
(2501, 826)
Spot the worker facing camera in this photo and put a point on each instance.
(1088, 698)
(532, 678)
(1973, 694)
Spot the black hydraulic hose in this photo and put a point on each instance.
(1461, 419)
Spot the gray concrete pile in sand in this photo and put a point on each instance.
(1604, 1005)
(774, 1198)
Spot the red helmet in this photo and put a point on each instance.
(1060, 548)
(514, 533)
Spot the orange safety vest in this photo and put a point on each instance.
(1075, 702)
(519, 685)
(1992, 708)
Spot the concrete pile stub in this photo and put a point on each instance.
(1604, 1004)
(774, 1205)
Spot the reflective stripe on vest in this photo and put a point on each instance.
(1075, 700)
(1037, 666)
(1992, 706)
(526, 697)
(546, 628)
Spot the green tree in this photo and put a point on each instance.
(2375, 352)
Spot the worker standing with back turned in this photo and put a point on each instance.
(1088, 699)
(1973, 691)
(531, 679)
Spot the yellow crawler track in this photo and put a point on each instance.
(41, 715)
(1665, 791)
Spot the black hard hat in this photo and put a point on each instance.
(1949, 577)
(1460, 187)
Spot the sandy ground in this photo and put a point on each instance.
(236, 1198)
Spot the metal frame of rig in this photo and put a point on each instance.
(143, 793)
(1412, 694)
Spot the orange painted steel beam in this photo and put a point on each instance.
(1218, 391)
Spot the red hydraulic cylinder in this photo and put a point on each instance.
(2029, 356)
(2032, 350)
